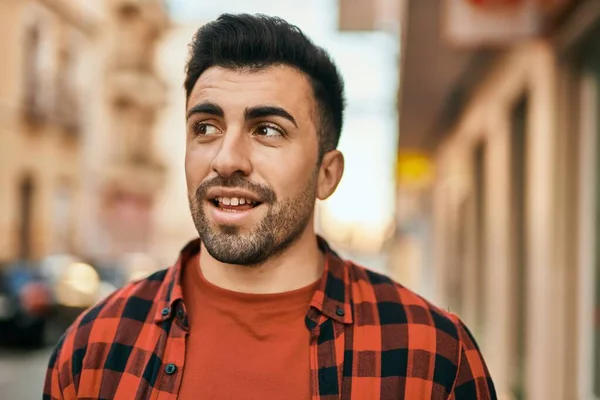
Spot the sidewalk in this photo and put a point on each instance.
(22, 373)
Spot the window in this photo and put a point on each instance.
(589, 216)
(25, 203)
(462, 251)
(479, 165)
(592, 104)
(518, 236)
(67, 105)
(456, 238)
(596, 315)
(62, 217)
(32, 99)
(128, 12)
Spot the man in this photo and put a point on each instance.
(259, 307)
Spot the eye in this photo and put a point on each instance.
(268, 131)
(205, 129)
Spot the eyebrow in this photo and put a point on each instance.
(206, 108)
(249, 113)
(268, 111)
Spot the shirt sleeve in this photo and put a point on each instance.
(473, 380)
(59, 383)
(52, 389)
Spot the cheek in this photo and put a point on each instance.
(287, 173)
(197, 167)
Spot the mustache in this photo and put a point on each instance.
(264, 193)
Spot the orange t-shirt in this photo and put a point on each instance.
(244, 346)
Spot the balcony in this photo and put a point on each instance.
(133, 44)
(153, 12)
(77, 14)
(68, 113)
(137, 174)
(34, 109)
(140, 88)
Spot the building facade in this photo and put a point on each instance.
(125, 171)
(513, 209)
(78, 100)
(45, 49)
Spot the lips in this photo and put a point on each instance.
(231, 203)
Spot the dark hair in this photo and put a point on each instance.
(255, 42)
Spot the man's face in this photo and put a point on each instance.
(251, 161)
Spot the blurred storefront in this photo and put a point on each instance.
(503, 99)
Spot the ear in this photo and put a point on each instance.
(330, 174)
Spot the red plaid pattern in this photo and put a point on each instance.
(370, 339)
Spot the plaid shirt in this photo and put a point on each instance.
(370, 339)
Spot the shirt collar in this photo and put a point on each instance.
(332, 298)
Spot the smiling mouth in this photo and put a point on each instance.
(234, 204)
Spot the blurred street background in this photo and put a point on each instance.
(471, 138)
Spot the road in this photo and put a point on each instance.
(22, 373)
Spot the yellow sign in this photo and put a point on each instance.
(414, 169)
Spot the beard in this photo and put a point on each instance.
(283, 224)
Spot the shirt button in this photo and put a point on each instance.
(170, 369)
(339, 311)
(165, 311)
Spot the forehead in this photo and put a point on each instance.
(240, 88)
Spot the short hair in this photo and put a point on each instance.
(254, 42)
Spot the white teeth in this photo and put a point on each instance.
(234, 201)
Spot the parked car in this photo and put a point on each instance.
(51, 293)
(75, 285)
(126, 268)
(25, 305)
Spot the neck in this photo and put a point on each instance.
(298, 266)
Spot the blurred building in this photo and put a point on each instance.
(78, 100)
(125, 173)
(45, 48)
(174, 223)
(498, 161)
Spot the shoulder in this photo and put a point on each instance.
(416, 338)
(406, 320)
(128, 307)
(134, 301)
(396, 304)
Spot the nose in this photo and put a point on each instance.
(233, 157)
